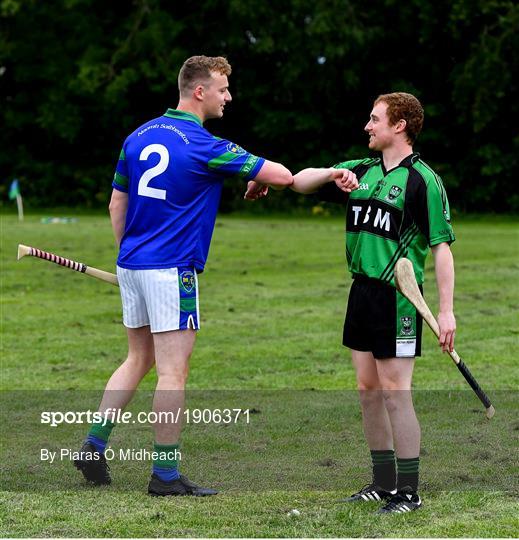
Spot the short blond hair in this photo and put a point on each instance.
(403, 106)
(197, 70)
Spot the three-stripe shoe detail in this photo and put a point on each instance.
(371, 496)
(402, 502)
(370, 493)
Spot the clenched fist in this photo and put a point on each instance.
(345, 180)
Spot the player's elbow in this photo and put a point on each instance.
(113, 207)
(118, 202)
(286, 179)
(275, 175)
(300, 186)
(282, 179)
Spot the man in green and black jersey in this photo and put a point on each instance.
(400, 209)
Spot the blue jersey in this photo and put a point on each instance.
(173, 170)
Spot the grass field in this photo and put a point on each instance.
(272, 302)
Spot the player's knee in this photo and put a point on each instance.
(395, 385)
(366, 385)
(370, 396)
(396, 399)
(140, 363)
(174, 380)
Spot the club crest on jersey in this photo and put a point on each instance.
(394, 192)
(235, 149)
(407, 325)
(187, 280)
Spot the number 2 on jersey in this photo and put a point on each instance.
(162, 165)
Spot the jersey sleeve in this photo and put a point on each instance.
(431, 212)
(329, 192)
(120, 181)
(229, 159)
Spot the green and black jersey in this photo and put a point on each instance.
(393, 214)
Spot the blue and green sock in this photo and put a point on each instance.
(99, 434)
(165, 464)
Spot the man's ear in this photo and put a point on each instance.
(198, 92)
(400, 126)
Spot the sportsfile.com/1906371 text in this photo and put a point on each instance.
(117, 416)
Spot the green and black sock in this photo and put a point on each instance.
(384, 471)
(407, 473)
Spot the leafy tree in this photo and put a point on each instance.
(77, 76)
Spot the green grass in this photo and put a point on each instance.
(272, 301)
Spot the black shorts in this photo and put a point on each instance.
(382, 321)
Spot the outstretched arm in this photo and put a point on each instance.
(310, 180)
(444, 269)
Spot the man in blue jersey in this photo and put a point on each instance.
(166, 192)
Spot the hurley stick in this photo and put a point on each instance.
(406, 283)
(67, 263)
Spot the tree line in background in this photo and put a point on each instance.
(77, 76)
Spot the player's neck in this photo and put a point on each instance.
(394, 155)
(190, 107)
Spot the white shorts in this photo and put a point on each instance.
(164, 300)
